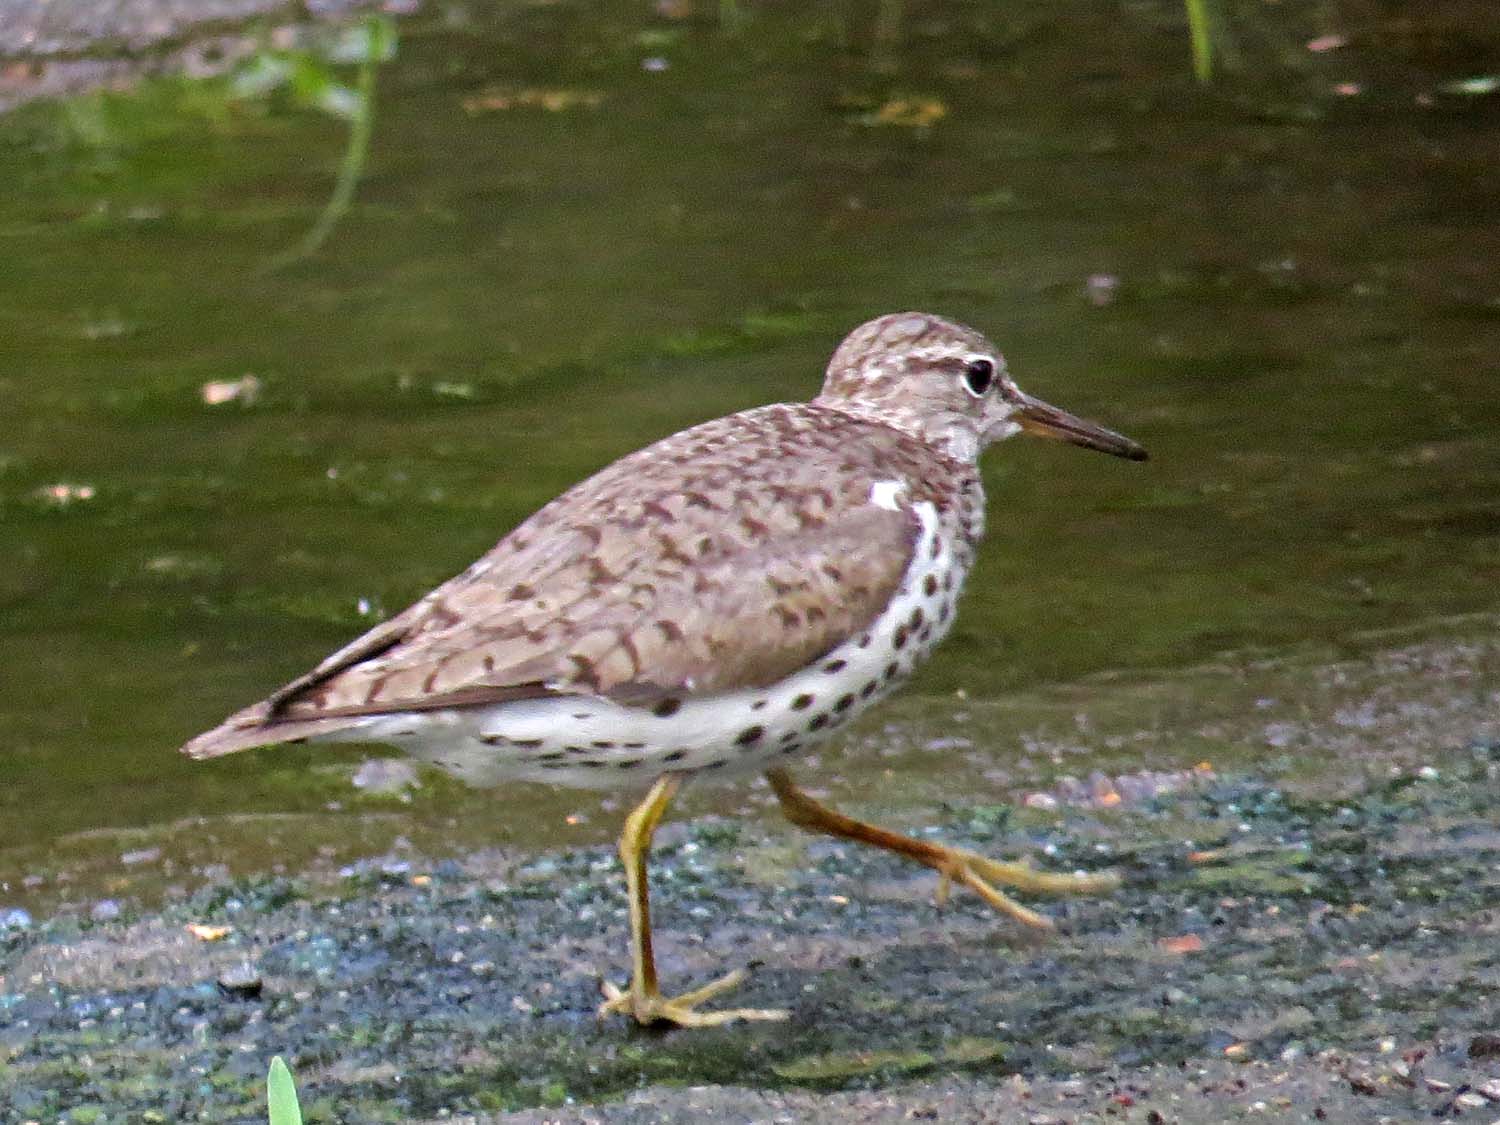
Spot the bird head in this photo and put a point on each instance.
(947, 383)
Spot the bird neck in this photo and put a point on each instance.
(952, 436)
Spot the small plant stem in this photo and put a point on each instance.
(1202, 39)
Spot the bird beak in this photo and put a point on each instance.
(1035, 417)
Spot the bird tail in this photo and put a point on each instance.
(256, 726)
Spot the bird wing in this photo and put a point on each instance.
(725, 557)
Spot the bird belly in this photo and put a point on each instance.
(597, 743)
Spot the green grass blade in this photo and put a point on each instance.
(1203, 40)
(281, 1095)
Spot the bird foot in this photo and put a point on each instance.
(969, 869)
(652, 1007)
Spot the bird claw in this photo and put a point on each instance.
(681, 1011)
(980, 873)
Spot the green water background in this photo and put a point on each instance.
(1295, 306)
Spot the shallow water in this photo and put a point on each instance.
(1295, 304)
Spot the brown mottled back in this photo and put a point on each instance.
(726, 556)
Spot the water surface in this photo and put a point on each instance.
(1295, 303)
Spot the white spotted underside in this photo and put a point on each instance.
(589, 742)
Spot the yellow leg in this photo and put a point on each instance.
(955, 865)
(643, 999)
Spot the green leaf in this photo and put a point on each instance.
(340, 101)
(310, 78)
(373, 40)
(264, 73)
(281, 1095)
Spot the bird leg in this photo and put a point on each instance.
(954, 865)
(643, 999)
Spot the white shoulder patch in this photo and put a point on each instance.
(886, 494)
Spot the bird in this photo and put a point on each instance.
(714, 604)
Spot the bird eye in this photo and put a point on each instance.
(978, 376)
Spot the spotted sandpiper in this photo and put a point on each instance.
(718, 602)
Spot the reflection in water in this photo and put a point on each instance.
(1287, 291)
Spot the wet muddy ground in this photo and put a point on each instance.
(1294, 941)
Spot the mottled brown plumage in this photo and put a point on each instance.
(724, 557)
(726, 597)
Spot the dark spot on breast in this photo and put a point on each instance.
(802, 703)
(930, 585)
(789, 736)
(898, 638)
(869, 689)
(947, 581)
(551, 756)
(917, 618)
(892, 670)
(789, 619)
(520, 592)
(576, 749)
(667, 708)
(845, 702)
(937, 547)
(718, 765)
(818, 722)
(604, 745)
(628, 764)
(791, 748)
(590, 763)
(944, 611)
(864, 641)
(925, 635)
(674, 756)
(833, 572)
(833, 667)
(523, 743)
(758, 705)
(633, 745)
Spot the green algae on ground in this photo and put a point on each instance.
(840, 1067)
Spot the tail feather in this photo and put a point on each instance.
(255, 726)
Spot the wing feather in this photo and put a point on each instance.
(722, 558)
